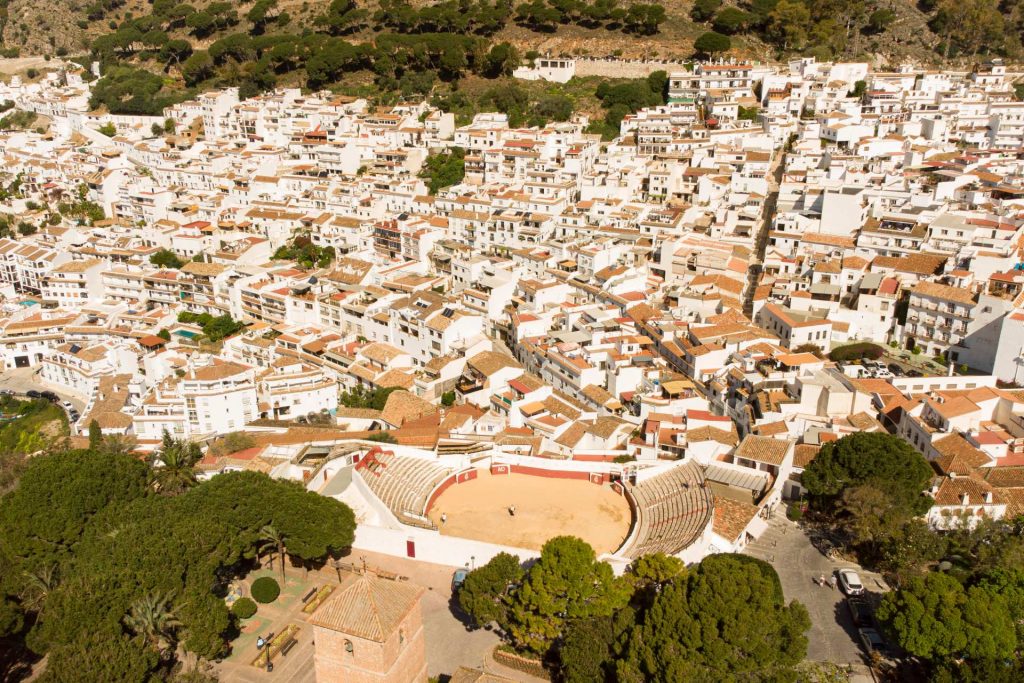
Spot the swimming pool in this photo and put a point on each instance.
(187, 334)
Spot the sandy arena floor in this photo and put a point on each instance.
(544, 508)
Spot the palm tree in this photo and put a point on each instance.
(273, 540)
(173, 471)
(39, 583)
(152, 618)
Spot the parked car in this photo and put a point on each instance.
(50, 396)
(73, 415)
(861, 612)
(67, 405)
(32, 393)
(896, 370)
(459, 578)
(914, 373)
(850, 583)
(872, 641)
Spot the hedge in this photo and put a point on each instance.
(243, 608)
(265, 590)
(857, 351)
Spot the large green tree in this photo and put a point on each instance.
(567, 583)
(880, 461)
(727, 621)
(934, 617)
(484, 594)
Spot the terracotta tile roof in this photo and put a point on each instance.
(489, 362)
(368, 607)
(729, 438)
(951, 491)
(403, 406)
(804, 454)
(763, 449)
(731, 517)
(958, 456)
(944, 292)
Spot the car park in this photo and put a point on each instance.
(861, 612)
(850, 583)
(459, 578)
(872, 641)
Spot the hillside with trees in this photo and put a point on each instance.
(155, 53)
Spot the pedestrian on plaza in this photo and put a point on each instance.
(821, 580)
(512, 510)
(444, 518)
(832, 582)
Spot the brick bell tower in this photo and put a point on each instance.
(370, 631)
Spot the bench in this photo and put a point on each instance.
(310, 594)
(288, 646)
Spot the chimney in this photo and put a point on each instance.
(965, 499)
(988, 497)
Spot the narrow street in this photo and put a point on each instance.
(774, 177)
(833, 637)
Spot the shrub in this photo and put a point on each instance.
(916, 350)
(711, 42)
(857, 351)
(795, 511)
(244, 608)
(265, 590)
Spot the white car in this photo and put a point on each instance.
(850, 583)
(67, 405)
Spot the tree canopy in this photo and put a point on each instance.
(444, 169)
(728, 619)
(122, 563)
(936, 618)
(566, 584)
(880, 461)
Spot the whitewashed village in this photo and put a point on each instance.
(683, 316)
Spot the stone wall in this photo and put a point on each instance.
(625, 68)
(526, 665)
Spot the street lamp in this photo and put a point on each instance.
(264, 644)
(472, 561)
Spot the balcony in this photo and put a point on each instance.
(466, 386)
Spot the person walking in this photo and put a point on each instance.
(821, 580)
(832, 582)
(444, 518)
(512, 510)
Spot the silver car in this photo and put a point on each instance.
(850, 583)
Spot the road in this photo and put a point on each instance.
(774, 177)
(833, 637)
(22, 380)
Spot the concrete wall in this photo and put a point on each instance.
(431, 546)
